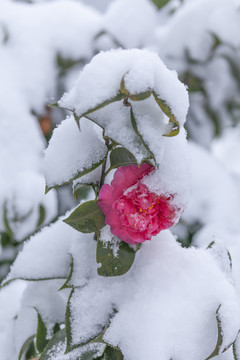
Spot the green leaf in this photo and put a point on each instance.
(167, 111)
(88, 355)
(53, 104)
(6, 223)
(41, 336)
(134, 125)
(160, 3)
(236, 354)
(87, 218)
(26, 346)
(216, 351)
(68, 323)
(42, 215)
(81, 191)
(141, 96)
(121, 157)
(112, 354)
(56, 340)
(111, 264)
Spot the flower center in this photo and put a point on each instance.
(137, 208)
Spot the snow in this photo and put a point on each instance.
(191, 27)
(172, 176)
(165, 306)
(134, 65)
(23, 197)
(44, 298)
(10, 295)
(109, 240)
(120, 129)
(151, 297)
(71, 151)
(227, 150)
(125, 23)
(39, 258)
(213, 192)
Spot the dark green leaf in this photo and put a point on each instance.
(121, 157)
(112, 354)
(42, 215)
(31, 353)
(160, 3)
(114, 265)
(87, 218)
(81, 191)
(68, 323)
(26, 346)
(41, 336)
(57, 338)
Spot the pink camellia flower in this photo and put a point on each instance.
(133, 212)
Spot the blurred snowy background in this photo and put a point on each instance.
(44, 45)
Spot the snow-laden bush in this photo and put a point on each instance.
(96, 292)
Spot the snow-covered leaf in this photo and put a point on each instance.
(236, 348)
(72, 153)
(26, 347)
(135, 128)
(114, 258)
(217, 349)
(57, 340)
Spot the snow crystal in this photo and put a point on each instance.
(71, 151)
